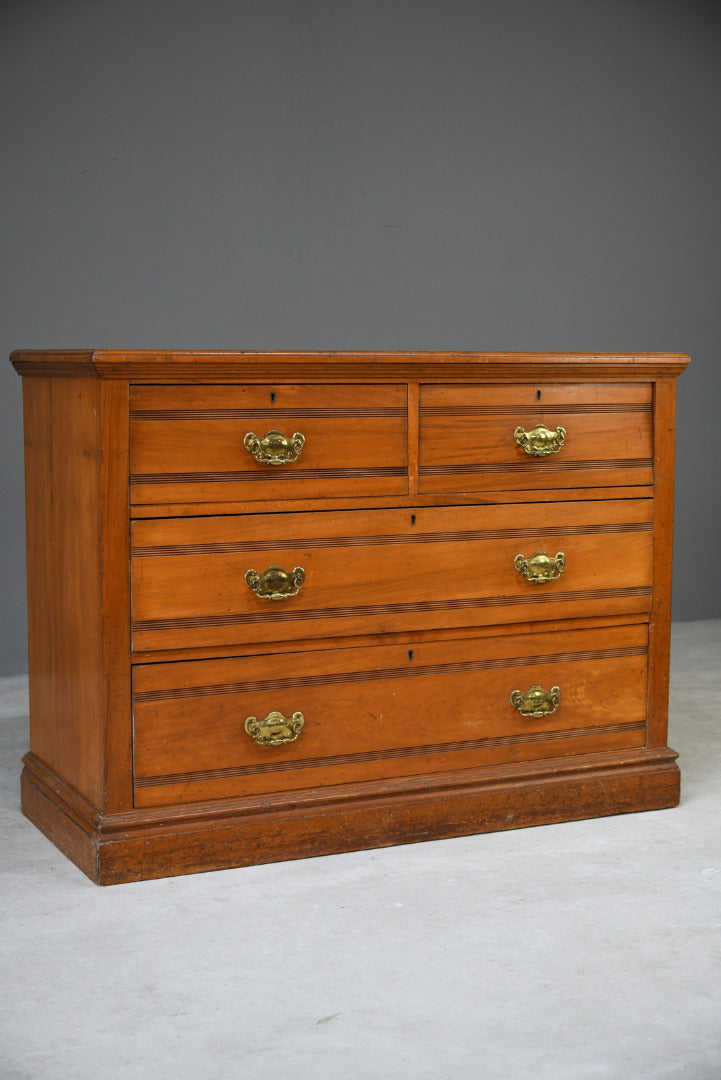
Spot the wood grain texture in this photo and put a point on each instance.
(406, 510)
(536, 496)
(166, 841)
(660, 629)
(78, 612)
(188, 444)
(467, 436)
(372, 571)
(535, 398)
(68, 821)
(382, 712)
(359, 367)
(56, 362)
(454, 633)
(64, 529)
(115, 594)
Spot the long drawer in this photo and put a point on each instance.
(495, 438)
(210, 444)
(383, 711)
(199, 582)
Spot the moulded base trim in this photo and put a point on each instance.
(171, 840)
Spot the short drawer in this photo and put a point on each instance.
(383, 711)
(210, 444)
(498, 438)
(200, 582)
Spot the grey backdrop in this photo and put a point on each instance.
(519, 174)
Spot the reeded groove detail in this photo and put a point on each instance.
(384, 609)
(375, 675)
(536, 466)
(386, 755)
(279, 413)
(390, 538)
(264, 476)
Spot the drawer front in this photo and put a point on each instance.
(378, 571)
(208, 443)
(468, 437)
(384, 711)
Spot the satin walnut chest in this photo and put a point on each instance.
(289, 604)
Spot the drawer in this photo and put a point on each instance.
(376, 571)
(200, 444)
(384, 711)
(468, 437)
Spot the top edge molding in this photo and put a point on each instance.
(353, 366)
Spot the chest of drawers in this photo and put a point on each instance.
(284, 605)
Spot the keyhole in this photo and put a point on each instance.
(413, 519)
(410, 654)
(538, 395)
(272, 397)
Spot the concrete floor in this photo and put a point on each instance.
(583, 951)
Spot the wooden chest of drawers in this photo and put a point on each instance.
(284, 605)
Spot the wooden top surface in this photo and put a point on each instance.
(255, 366)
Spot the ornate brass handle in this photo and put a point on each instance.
(274, 448)
(540, 440)
(275, 583)
(275, 729)
(540, 568)
(536, 702)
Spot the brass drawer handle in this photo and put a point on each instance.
(540, 440)
(541, 568)
(275, 729)
(275, 583)
(536, 702)
(274, 448)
